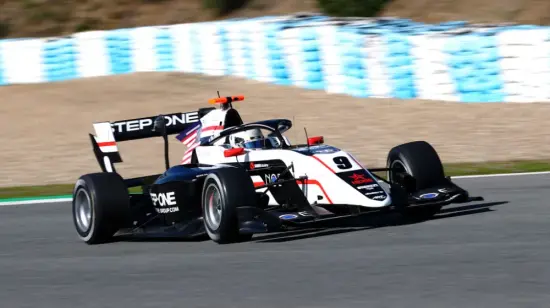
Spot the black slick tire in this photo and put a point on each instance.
(101, 199)
(224, 190)
(420, 160)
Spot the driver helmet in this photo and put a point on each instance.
(249, 139)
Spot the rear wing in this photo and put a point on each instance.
(107, 134)
(141, 128)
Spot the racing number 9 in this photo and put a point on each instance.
(342, 162)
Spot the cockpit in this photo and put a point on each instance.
(224, 127)
(255, 136)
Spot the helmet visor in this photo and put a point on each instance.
(254, 144)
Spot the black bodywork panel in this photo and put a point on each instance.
(171, 202)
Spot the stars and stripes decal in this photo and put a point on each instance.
(189, 138)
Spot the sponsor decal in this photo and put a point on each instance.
(368, 187)
(429, 196)
(254, 166)
(306, 214)
(379, 197)
(168, 210)
(444, 190)
(288, 216)
(324, 150)
(372, 193)
(358, 179)
(164, 199)
(140, 124)
(270, 178)
(318, 149)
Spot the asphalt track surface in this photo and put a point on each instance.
(487, 254)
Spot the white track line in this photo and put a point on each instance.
(498, 175)
(23, 202)
(9, 203)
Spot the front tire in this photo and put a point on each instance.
(420, 160)
(100, 205)
(223, 191)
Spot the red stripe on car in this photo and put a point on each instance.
(211, 128)
(307, 182)
(326, 166)
(315, 182)
(106, 144)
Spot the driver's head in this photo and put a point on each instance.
(249, 139)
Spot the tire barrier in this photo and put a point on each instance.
(363, 57)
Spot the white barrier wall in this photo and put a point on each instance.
(387, 57)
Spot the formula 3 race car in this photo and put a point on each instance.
(238, 179)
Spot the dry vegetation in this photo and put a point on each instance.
(26, 18)
(32, 18)
(484, 11)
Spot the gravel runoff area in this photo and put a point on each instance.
(45, 126)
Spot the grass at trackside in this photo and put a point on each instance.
(42, 191)
(450, 170)
(457, 169)
(32, 191)
(497, 167)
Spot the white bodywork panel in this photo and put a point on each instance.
(321, 170)
(324, 184)
(105, 137)
(210, 125)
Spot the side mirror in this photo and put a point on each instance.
(315, 140)
(233, 152)
(160, 125)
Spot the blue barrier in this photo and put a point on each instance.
(3, 80)
(59, 59)
(399, 64)
(164, 47)
(119, 51)
(473, 64)
(363, 57)
(275, 56)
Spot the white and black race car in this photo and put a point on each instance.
(239, 179)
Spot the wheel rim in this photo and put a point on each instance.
(213, 208)
(83, 210)
(399, 167)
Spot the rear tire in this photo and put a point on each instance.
(223, 192)
(100, 206)
(420, 160)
